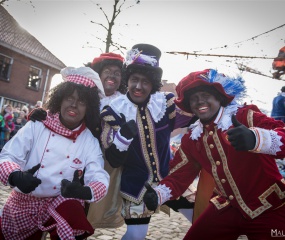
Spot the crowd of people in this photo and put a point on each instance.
(12, 119)
(100, 148)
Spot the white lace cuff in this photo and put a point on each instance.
(122, 144)
(267, 141)
(163, 192)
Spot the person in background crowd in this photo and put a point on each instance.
(2, 124)
(109, 68)
(54, 166)
(278, 106)
(22, 115)
(237, 145)
(16, 112)
(25, 109)
(136, 130)
(7, 110)
(9, 127)
(39, 104)
(107, 213)
(18, 125)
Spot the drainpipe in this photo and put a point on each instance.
(44, 93)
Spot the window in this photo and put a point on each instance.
(5, 67)
(34, 78)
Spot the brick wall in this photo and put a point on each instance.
(17, 88)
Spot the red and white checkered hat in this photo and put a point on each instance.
(82, 75)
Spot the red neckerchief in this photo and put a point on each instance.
(53, 123)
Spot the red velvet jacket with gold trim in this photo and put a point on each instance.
(249, 181)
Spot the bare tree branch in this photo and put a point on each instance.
(118, 8)
(100, 24)
(2, 2)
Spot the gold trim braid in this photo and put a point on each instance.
(179, 165)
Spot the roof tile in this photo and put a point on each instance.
(12, 34)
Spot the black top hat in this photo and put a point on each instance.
(149, 50)
(143, 58)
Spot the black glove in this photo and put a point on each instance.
(128, 129)
(240, 137)
(75, 189)
(25, 181)
(82, 177)
(38, 114)
(115, 157)
(150, 198)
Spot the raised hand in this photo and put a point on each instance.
(240, 137)
(25, 181)
(128, 129)
(150, 198)
(38, 114)
(75, 189)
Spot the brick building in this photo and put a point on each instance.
(26, 66)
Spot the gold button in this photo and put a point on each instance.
(231, 197)
(148, 145)
(142, 108)
(211, 133)
(207, 126)
(211, 146)
(147, 136)
(150, 154)
(153, 163)
(218, 163)
(223, 180)
(156, 179)
(145, 127)
(154, 171)
(143, 117)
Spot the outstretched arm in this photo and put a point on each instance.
(117, 152)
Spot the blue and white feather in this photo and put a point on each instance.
(233, 86)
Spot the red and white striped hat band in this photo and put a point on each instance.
(81, 80)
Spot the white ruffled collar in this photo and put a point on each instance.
(157, 106)
(106, 100)
(223, 121)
